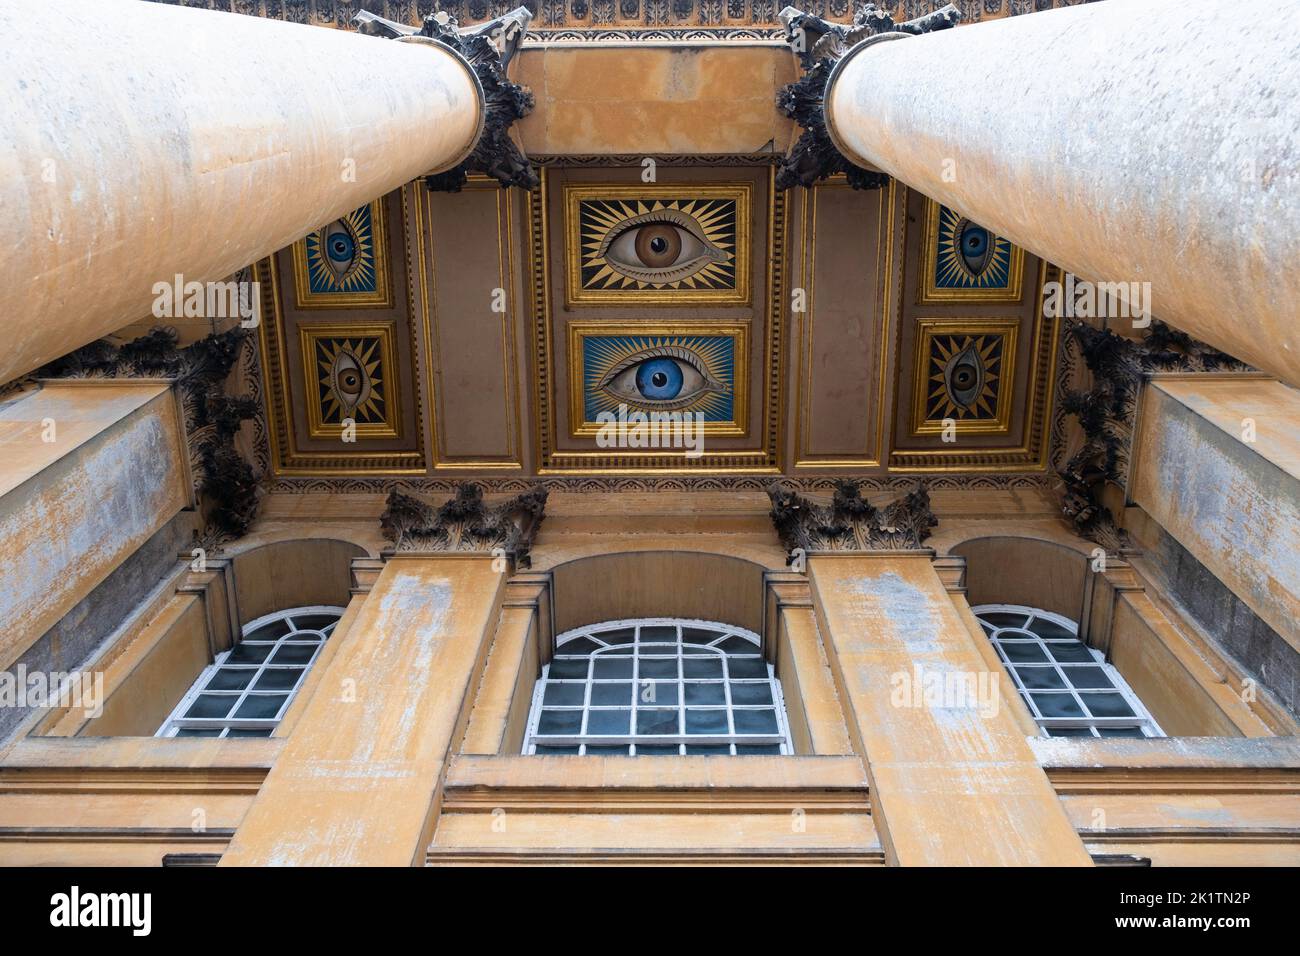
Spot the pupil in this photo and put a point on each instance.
(658, 244)
(659, 379)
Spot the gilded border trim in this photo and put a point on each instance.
(381, 298)
(929, 294)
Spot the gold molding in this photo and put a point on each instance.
(764, 460)
(887, 235)
(927, 329)
(381, 298)
(286, 459)
(576, 296)
(738, 427)
(513, 460)
(391, 427)
(929, 294)
(1031, 454)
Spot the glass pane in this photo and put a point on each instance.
(702, 667)
(269, 632)
(560, 722)
(618, 750)
(698, 635)
(1074, 651)
(562, 668)
(659, 632)
(261, 706)
(1057, 705)
(653, 692)
(755, 721)
(742, 749)
(656, 721)
(706, 721)
(1023, 653)
(557, 694)
(193, 732)
(1121, 732)
(619, 635)
(607, 667)
(249, 733)
(656, 668)
(1107, 705)
(647, 750)
(1088, 676)
(579, 645)
(617, 695)
(737, 645)
(293, 654)
(540, 749)
(229, 678)
(1069, 732)
(751, 693)
(705, 694)
(281, 678)
(314, 622)
(211, 705)
(609, 721)
(707, 749)
(747, 667)
(1050, 629)
(1039, 678)
(248, 653)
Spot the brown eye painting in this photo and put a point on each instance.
(664, 244)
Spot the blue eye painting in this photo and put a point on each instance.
(969, 257)
(694, 373)
(340, 256)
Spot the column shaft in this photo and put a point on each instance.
(359, 779)
(139, 141)
(1125, 142)
(953, 781)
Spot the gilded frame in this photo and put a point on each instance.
(927, 329)
(575, 295)
(381, 298)
(738, 332)
(308, 335)
(929, 292)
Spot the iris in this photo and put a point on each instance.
(659, 378)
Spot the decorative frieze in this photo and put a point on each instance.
(465, 523)
(850, 522)
(1107, 412)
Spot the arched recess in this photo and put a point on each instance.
(1010, 569)
(637, 584)
(301, 572)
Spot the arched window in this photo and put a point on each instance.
(246, 691)
(1068, 686)
(657, 686)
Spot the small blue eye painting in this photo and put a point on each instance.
(659, 373)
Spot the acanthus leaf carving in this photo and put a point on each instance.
(1107, 414)
(850, 522)
(488, 48)
(819, 45)
(465, 523)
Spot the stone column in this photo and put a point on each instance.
(1126, 142)
(139, 141)
(953, 780)
(359, 780)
